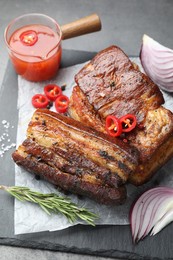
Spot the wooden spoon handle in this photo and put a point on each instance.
(82, 26)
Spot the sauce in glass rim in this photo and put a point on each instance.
(36, 52)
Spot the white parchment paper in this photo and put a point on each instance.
(30, 218)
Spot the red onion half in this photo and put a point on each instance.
(157, 61)
(151, 212)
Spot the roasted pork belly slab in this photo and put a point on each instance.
(77, 158)
(111, 84)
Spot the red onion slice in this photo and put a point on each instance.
(146, 223)
(157, 61)
(136, 210)
(159, 210)
(150, 202)
(164, 221)
(152, 208)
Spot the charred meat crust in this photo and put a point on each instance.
(71, 162)
(72, 183)
(81, 110)
(113, 85)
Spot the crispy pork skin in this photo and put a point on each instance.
(77, 158)
(111, 84)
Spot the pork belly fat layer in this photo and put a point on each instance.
(71, 135)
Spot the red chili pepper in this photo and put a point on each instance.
(113, 126)
(61, 104)
(29, 37)
(40, 101)
(128, 122)
(52, 91)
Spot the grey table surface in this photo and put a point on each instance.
(123, 23)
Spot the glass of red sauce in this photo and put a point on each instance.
(34, 46)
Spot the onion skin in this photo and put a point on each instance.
(152, 211)
(157, 62)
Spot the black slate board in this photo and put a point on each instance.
(110, 241)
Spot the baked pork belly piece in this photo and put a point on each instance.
(77, 158)
(154, 142)
(110, 84)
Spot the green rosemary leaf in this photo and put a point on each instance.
(45, 209)
(52, 203)
(17, 196)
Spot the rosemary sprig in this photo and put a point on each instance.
(52, 203)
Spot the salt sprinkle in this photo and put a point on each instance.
(4, 122)
(5, 138)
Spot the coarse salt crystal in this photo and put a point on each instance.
(4, 122)
(5, 137)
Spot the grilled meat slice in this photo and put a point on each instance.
(113, 85)
(71, 162)
(90, 163)
(91, 187)
(50, 129)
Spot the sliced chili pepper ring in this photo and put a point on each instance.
(61, 103)
(128, 122)
(52, 91)
(113, 126)
(29, 37)
(40, 101)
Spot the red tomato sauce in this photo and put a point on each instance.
(36, 52)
